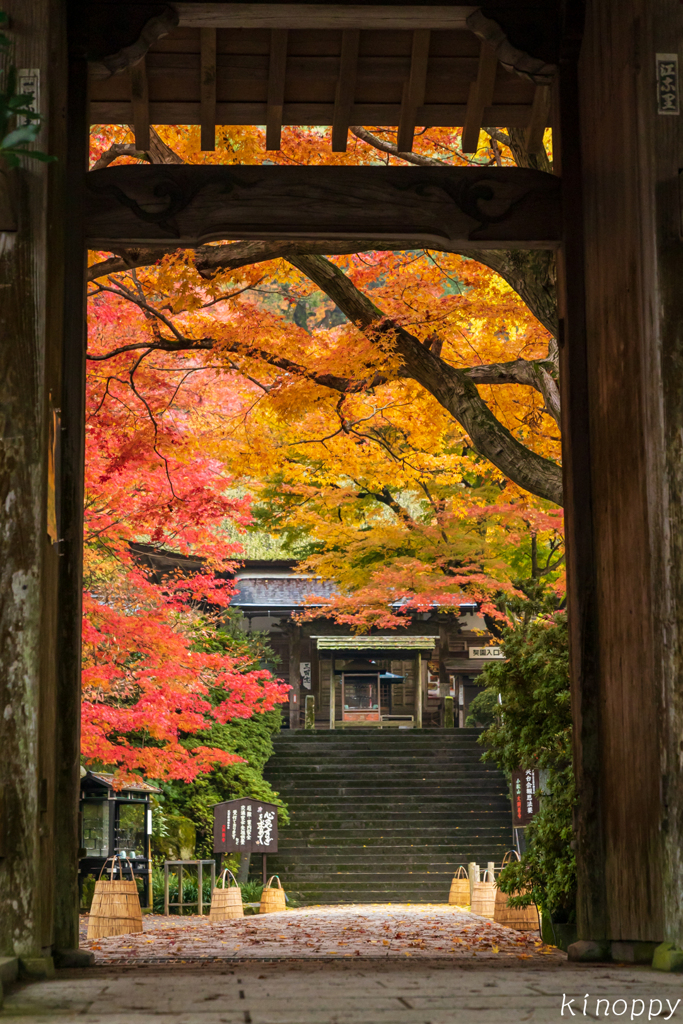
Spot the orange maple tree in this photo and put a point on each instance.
(369, 400)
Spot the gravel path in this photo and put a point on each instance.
(367, 930)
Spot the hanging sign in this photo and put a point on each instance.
(305, 673)
(244, 826)
(488, 653)
(667, 83)
(525, 784)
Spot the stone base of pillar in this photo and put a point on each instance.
(74, 957)
(617, 951)
(36, 968)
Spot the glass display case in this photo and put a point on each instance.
(360, 696)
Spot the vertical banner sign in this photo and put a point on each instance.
(525, 783)
(28, 84)
(244, 826)
(305, 673)
(668, 99)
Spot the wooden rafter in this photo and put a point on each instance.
(435, 115)
(346, 89)
(276, 87)
(322, 16)
(414, 89)
(208, 88)
(480, 97)
(443, 208)
(538, 121)
(139, 94)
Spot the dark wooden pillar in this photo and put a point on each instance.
(623, 370)
(72, 476)
(31, 320)
(578, 492)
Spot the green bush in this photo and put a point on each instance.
(531, 727)
(251, 891)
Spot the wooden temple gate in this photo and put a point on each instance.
(613, 212)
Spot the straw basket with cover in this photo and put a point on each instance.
(226, 902)
(272, 898)
(484, 895)
(460, 889)
(115, 906)
(524, 919)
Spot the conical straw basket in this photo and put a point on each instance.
(484, 896)
(524, 919)
(460, 888)
(226, 903)
(115, 907)
(272, 899)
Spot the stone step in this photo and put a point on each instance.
(381, 869)
(385, 816)
(389, 794)
(433, 840)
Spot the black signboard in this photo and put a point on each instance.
(525, 784)
(244, 826)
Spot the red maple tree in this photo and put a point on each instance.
(151, 671)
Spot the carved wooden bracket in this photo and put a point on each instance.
(486, 207)
(523, 64)
(158, 26)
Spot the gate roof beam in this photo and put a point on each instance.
(441, 208)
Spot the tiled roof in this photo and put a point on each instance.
(107, 779)
(286, 591)
(397, 641)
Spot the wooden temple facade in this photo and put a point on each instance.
(396, 679)
(613, 212)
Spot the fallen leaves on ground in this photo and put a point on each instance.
(380, 930)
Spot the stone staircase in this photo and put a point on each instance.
(385, 815)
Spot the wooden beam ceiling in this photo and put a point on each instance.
(439, 208)
(279, 76)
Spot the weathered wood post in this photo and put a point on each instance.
(621, 346)
(40, 748)
(473, 875)
(448, 713)
(418, 690)
(294, 675)
(332, 693)
(243, 873)
(309, 720)
(166, 896)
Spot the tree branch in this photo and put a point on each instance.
(452, 388)
(388, 147)
(539, 374)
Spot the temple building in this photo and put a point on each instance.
(389, 679)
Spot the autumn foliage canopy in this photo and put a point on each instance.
(233, 393)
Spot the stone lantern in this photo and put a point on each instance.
(116, 821)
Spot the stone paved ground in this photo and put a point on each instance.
(366, 930)
(340, 991)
